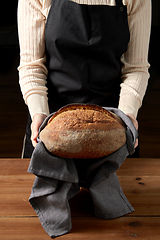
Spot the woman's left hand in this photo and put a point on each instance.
(135, 123)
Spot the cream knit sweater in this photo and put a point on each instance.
(32, 16)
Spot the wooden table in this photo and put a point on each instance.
(139, 178)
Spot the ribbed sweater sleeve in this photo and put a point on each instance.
(135, 69)
(32, 16)
(32, 69)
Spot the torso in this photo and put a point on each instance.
(84, 44)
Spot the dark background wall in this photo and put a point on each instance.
(13, 112)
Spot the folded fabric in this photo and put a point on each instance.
(58, 180)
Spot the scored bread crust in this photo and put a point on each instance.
(83, 131)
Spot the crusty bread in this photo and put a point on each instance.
(83, 131)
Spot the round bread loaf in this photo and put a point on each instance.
(83, 131)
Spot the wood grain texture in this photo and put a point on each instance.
(139, 179)
(87, 228)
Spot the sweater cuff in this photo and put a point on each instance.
(37, 104)
(129, 104)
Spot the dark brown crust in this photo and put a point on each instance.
(76, 106)
(94, 107)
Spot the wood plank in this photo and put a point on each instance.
(121, 228)
(147, 228)
(15, 185)
(140, 167)
(140, 181)
(140, 185)
(144, 205)
(14, 202)
(26, 180)
(13, 166)
(130, 167)
(130, 184)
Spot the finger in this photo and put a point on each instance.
(136, 143)
(34, 137)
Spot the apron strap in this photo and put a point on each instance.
(119, 2)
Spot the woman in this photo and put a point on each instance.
(86, 51)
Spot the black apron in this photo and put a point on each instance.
(84, 44)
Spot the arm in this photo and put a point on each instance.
(32, 70)
(135, 69)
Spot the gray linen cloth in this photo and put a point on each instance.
(58, 180)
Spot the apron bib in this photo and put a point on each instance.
(84, 44)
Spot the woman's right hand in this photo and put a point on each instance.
(36, 123)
